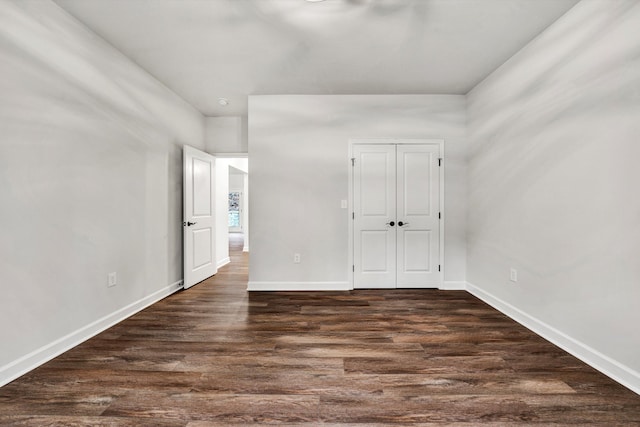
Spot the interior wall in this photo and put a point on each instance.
(245, 213)
(236, 182)
(225, 135)
(298, 151)
(90, 183)
(221, 208)
(553, 183)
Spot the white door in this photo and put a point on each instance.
(199, 224)
(374, 204)
(396, 190)
(418, 215)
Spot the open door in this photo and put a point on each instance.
(198, 216)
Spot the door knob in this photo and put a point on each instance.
(391, 223)
(188, 224)
(400, 223)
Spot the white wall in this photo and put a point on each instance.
(90, 183)
(553, 185)
(236, 182)
(221, 207)
(245, 213)
(225, 135)
(298, 152)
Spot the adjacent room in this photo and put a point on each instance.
(309, 212)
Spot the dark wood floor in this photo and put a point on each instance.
(216, 355)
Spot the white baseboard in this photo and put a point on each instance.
(299, 286)
(223, 262)
(453, 286)
(608, 366)
(44, 354)
(245, 249)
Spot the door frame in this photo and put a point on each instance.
(350, 202)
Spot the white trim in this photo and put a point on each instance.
(355, 141)
(298, 286)
(449, 285)
(603, 363)
(245, 249)
(40, 356)
(223, 262)
(442, 215)
(350, 212)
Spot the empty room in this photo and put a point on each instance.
(319, 212)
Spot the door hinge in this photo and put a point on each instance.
(439, 215)
(440, 161)
(353, 161)
(438, 267)
(353, 215)
(353, 268)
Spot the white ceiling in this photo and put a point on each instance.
(207, 49)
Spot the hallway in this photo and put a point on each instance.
(219, 355)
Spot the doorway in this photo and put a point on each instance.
(232, 224)
(237, 212)
(396, 213)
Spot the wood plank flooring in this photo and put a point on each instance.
(215, 355)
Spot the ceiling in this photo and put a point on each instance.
(208, 49)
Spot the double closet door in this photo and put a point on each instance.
(396, 200)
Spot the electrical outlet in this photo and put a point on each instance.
(296, 258)
(513, 275)
(112, 279)
(344, 204)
